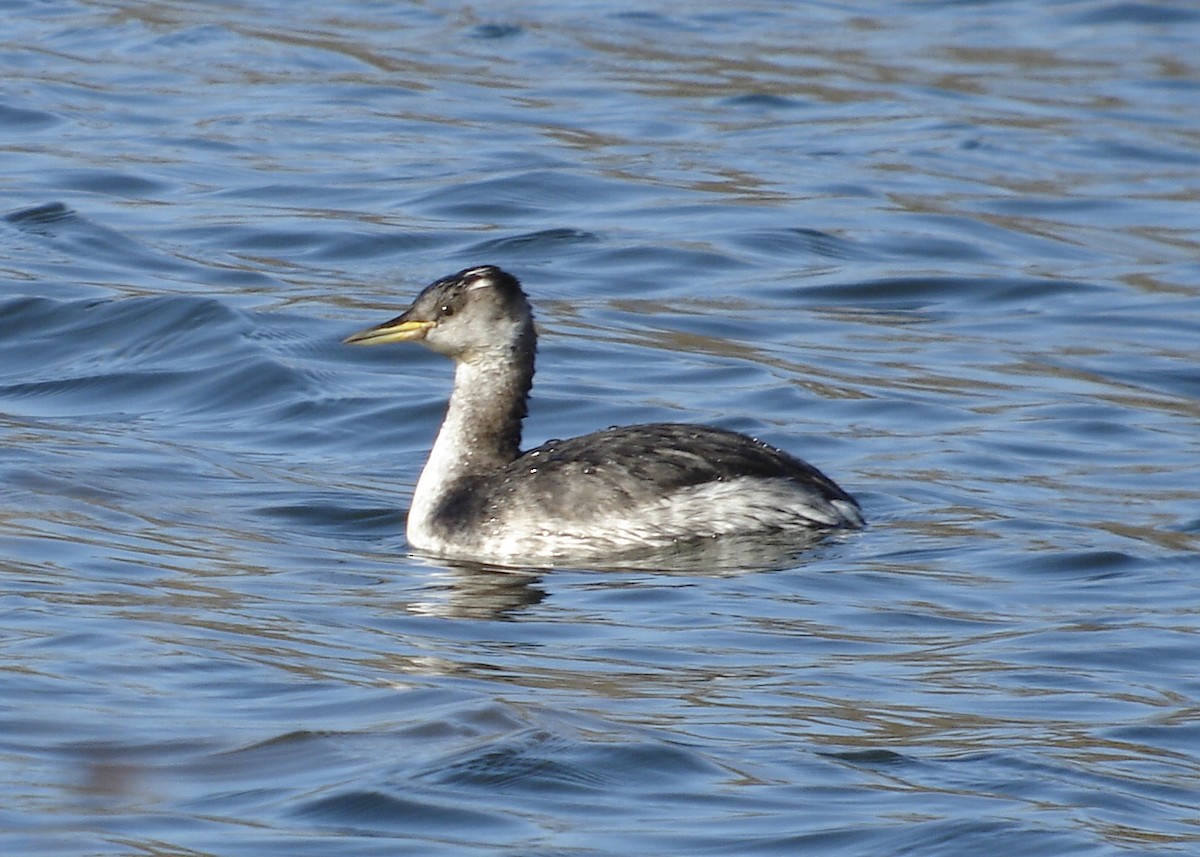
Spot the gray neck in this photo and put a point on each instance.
(482, 429)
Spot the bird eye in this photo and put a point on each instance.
(446, 309)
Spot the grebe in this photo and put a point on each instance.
(623, 489)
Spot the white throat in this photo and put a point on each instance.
(481, 433)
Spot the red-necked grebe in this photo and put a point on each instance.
(603, 494)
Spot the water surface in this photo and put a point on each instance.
(946, 251)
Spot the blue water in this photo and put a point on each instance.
(949, 252)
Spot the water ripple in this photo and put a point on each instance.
(947, 251)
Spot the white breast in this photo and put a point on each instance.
(708, 510)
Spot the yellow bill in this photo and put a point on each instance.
(396, 330)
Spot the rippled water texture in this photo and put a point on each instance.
(949, 252)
